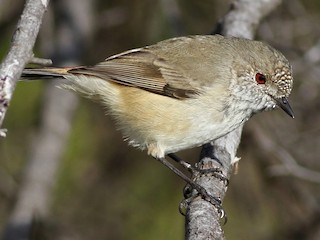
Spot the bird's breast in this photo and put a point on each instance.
(164, 125)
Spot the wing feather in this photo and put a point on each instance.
(142, 69)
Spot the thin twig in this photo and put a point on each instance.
(40, 61)
(289, 165)
(20, 51)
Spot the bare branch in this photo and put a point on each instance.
(173, 14)
(20, 51)
(293, 168)
(40, 61)
(34, 196)
(289, 165)
(245, 15)
(241, 21)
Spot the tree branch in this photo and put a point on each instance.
(34, 197)
(20, 51)
(289, 165)
(40, 61)
(202, 219)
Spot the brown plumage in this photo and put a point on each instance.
(182, 92)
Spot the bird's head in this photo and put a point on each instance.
(270, 77)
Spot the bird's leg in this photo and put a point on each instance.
(215, 171)
(184, 164)
(202, 191)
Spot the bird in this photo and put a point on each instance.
(182, 92)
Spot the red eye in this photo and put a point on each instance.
(260, 78)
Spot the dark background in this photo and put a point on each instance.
(106, 190)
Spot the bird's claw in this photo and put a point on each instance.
(215, 171)
(189, 197)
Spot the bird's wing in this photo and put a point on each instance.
(143, 69)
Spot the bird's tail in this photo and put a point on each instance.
(79, 79)
(45, 73)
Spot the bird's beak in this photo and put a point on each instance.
(284, 104)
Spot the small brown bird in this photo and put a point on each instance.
(183, 92)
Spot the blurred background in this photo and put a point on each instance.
(65, 172)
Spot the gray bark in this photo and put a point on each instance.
(202, 218)
(35, 192)
(20, 52)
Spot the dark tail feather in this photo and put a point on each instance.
(44, 73)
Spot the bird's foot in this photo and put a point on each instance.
(196, 170)
(200, 191)
(214, 171)
(190, 196)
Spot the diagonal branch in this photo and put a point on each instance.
(288, 165)
(31, 210)
(202, 219)
(20, 51)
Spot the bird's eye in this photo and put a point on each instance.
(260, 78)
